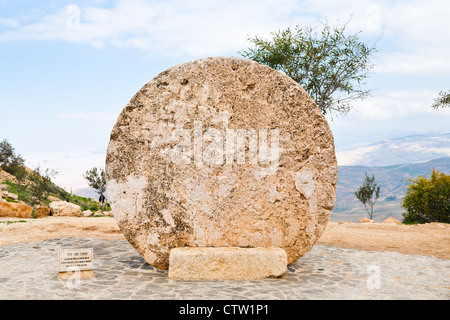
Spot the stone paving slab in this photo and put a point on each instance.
(30, 271)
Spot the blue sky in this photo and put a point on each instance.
(69, 67)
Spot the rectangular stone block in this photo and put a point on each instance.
(226, 263)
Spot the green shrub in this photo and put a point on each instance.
(85, 203)
(17, 189)
(428, 200)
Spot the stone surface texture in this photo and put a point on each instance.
(160, 203)
(229, 263)
(392, 221)
(65, 209)
(87, 213)
(5, 176)
(42, 212)
(30, 272)
(366, 220)
(16, 210)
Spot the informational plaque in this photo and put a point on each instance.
(71, 260)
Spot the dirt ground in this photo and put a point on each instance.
(432, 239)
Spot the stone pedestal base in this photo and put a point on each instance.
(226, 263)
(83, 274)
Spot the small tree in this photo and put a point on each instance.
(10, 162)
(330, 65)
(428, 200)
(96, 179)
(368, 194)
(41, 183)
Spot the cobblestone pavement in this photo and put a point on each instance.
(30, 271)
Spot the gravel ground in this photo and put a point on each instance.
(29, 271)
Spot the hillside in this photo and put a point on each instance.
(393, 180)
(11, 190)
(408, 149)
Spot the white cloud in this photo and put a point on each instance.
(414, 33)
(71, 166)
(11, 23)
(413, 42)
(397, 104)
(431, 62)
(170, 27)
(386, 115)
(352, 157)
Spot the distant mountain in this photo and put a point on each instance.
(409, 149)
(393, 181)
(88, 193)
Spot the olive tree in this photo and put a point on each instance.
(10, 161)
(330, 65)
(96, 179)
(368, 194)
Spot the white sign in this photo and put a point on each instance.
(76, 259)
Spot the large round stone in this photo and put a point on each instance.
(221, 152)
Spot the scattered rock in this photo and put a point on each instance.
(88, 213)
(221, 152)
(366, 220)
(5, 176)
(3, 187)
(15, 210)
(12, 196)
(109, 213)
(103, 213)
(8, 195)
(53, 198)
(226, 263)
(392, 220)
(64, 208)
(42, 212)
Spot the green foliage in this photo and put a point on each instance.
(442, 101)
(57, 191)
(40, 185)
(24, 195)
(17, 189)
(10, 162)
(330, 65)
(85, 203)
(11, 222)
(368, 194)
(96, 179)
(428, 200)
(34, 186)
(35, 189)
